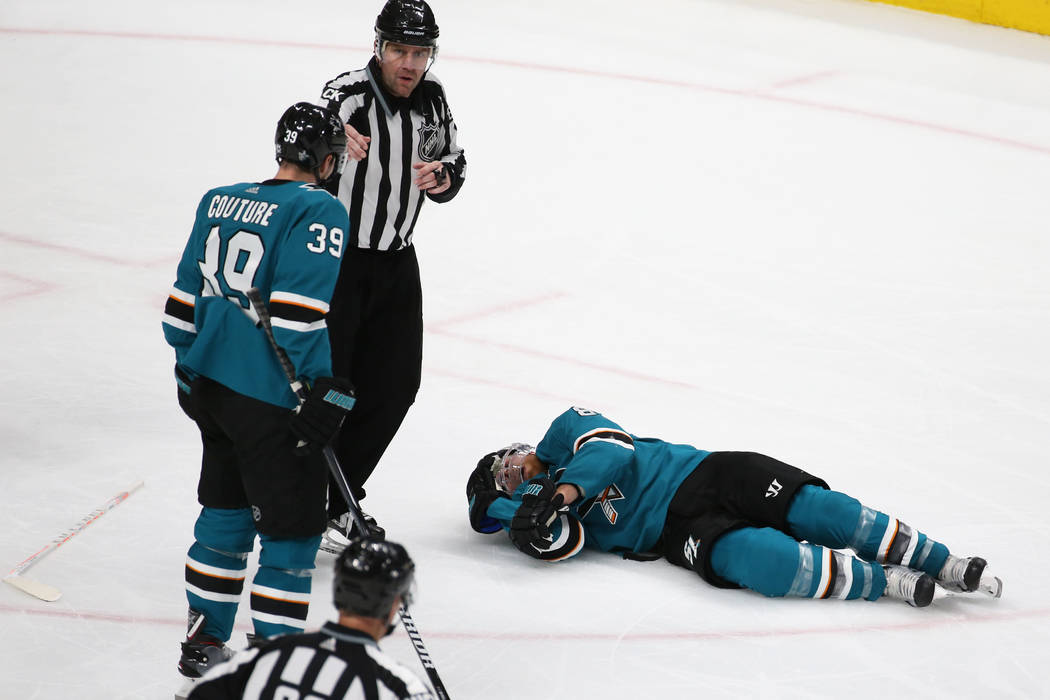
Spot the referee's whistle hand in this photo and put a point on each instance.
(356, 144)
(428, 178)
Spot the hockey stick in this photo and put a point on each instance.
(337, 473)
(42, 590)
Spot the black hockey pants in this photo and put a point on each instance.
(375, 325)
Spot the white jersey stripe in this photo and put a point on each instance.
(373, 176)
(395, 172)
(292, 622)
(212, 596)
(887, 539)
(329, 675)
(260, 677)
(279, 594)
(825, 573)
(185, 297)
(295, 669)
(589, 436)
(298, 326)
(299, 300)
(180, 324)
(216, 571)
(415, 686)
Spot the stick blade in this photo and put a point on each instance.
(35, 588)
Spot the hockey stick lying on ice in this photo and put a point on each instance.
(333, 466)
(42, 590)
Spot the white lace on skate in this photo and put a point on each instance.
(913, 587)
(337, 536)
(334, 539)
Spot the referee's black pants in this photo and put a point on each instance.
(375, 326)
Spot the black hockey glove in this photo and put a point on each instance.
(318, 418)
(481, 492)
(530, 529)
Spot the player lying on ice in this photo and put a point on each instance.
(739, 519)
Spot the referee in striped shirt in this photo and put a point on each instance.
(341, 661)
(403, 139)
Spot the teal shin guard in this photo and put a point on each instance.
(838, 521)
(280, 592)
(774, 564)
(215, 567)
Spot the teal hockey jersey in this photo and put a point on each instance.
(626, 484)
(286, 239)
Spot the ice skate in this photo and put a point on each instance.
(342, 529)
(969, 575)
(914, 587)
(200, 651)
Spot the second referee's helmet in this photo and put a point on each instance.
(370, 575)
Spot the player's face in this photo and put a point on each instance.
(518, 465)
(402, 66)
(512, 469)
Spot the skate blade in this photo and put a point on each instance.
(331, 546)
(991, 586)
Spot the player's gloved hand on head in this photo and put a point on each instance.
(317, 420)
(530, 529)
(481, 492)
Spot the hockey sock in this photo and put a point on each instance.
(774, 564)
(280, 592)
(215, 566)
(836, 520)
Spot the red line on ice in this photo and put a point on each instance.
(927, 620)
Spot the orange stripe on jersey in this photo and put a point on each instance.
(186, 303)
(225, 578)
(295, 303)
(828, 556)
(256, 594)
(889, 545)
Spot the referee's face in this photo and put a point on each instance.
(402, 67)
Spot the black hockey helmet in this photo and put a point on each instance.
(408, 22)
(370, 575)
(307, 134)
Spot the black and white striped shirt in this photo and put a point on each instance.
(336, 663)
(378, 191)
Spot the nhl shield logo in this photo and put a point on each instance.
(429, 141)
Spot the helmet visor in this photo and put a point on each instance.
(420, 57)
(509, 472)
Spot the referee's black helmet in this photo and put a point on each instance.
(408, 22)
(370, 575)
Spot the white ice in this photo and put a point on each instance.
(811, 228)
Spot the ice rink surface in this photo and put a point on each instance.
(811, 228)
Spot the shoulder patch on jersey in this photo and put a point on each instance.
(617, 437)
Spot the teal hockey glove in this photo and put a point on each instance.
(530, 528)
(317, 420)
